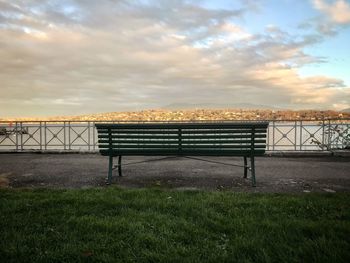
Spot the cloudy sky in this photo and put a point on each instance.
(65, 57)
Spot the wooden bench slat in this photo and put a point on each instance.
(183, 131)
(102, 141)
(236, 125)
(176, 141)
(182, 153)
(172, 146)
(219, 136)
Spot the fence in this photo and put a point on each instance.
(283, 135)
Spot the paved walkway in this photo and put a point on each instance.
(274, 174)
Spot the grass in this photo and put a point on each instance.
(116, 225)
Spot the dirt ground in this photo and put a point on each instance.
(273, 174)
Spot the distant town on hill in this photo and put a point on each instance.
(198, 115)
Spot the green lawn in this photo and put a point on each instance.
(115, 225)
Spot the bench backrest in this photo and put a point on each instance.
(205, 139)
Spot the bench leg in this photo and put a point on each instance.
(245, 167)
(253, 170)
(110, 168)
(120, 165)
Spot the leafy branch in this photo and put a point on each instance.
(336, 137)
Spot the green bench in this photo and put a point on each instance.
(246, 139)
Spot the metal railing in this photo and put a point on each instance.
(283, 135)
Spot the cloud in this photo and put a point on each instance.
(71, 57)
(338, 12)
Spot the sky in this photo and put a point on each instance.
(72, 57)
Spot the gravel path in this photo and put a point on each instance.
(274, 174)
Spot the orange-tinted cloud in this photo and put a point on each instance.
(338, 12)
(115, 56)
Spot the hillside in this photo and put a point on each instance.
(198, 114)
